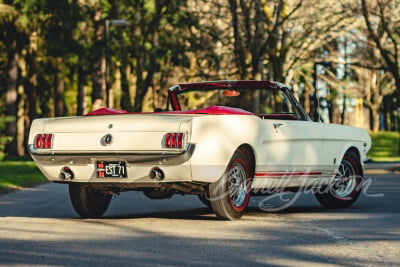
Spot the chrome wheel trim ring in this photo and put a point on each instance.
(345, 180)
(237, 180)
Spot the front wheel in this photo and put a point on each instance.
(87, 202)
(230, 195)
(346, 185)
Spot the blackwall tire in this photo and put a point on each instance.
(205, 199)
(230, 195)
(87, 202)
(347, 185)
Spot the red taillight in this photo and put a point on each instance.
(179, 140)
(49, 139)
(44, 141)
(174, 140)
(168, 140)
(38, 141)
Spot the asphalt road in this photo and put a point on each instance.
(38, 227)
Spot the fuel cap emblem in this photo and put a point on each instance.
(106, 140)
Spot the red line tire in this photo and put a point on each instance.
(230, 195)
(346, 186)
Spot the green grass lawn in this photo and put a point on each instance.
(385, 146)
(15, 174)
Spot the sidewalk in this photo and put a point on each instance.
(381, 167)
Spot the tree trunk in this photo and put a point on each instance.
(98, 90)
(30, 85)
(59, 90)
(81, 101)
(335, 112)
(374, 119)
(126, 95)
(20, 135)
(11, 105)
(142, 85)
(240, 54)
(305, 99)
(344, 111)
(98, 74)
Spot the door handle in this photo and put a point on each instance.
(277, 125)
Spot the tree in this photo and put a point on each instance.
(98, 12)
(279, 35)
(160, 37)
(383, 27)
(13, 38)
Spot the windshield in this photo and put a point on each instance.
(254, 100)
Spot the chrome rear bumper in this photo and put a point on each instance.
(149, 158)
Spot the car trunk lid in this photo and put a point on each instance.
(125, 132)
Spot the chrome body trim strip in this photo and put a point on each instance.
(149, 158)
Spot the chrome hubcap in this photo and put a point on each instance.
(345, 180)
(237, 184)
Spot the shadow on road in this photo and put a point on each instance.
(380, 195)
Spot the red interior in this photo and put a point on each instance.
(106, 111)
(218, 110)
(213, 110)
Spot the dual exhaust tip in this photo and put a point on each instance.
(66, 174)
(155, 173)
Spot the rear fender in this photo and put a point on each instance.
(217, 138)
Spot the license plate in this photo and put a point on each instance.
(111, 169)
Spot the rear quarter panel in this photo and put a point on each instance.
(217, 137)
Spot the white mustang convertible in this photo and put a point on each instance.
(223, 141)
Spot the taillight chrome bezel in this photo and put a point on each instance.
(43, 141)
(174, 140)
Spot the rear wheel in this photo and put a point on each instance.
(230, 195)
(346, 186)
(205, 199)
(87, 202)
